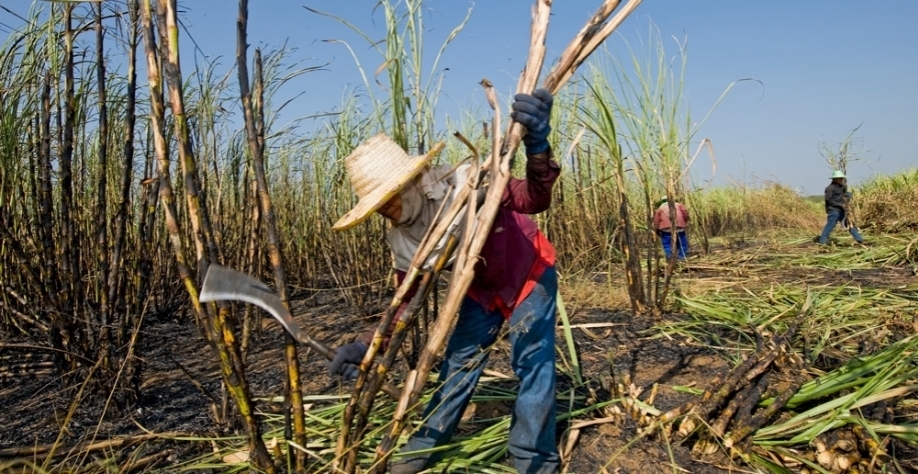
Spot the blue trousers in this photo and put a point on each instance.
(833, 217)
(681, 243)
(532, 342)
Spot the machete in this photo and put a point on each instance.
(223, 283)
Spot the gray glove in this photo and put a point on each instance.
(533, 112)
(347, 360)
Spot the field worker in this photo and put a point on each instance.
(514, 281)
(837, 198)
(662, 224)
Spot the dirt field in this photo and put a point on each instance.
(180, 380)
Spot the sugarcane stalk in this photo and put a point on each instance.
(753, 366)
(717, 396)
(72, 285)
(472, 184)
(116, 274)
(217, 328)
(778, 345)
(741, 431)
(254, 126)
(104, 337)
(629, 245)
(752, 393)
(61, 337)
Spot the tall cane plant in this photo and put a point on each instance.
(637, 119)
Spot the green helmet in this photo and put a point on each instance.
(838, 174)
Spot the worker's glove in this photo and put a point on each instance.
(347, 360)
(848, 195)
(533, 112)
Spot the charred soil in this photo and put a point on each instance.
(181, 387)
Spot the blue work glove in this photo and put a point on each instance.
(533, 112)
(347, 360)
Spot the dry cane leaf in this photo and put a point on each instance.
(569, 446)
(237, 457)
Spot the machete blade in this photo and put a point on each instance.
(223, 283)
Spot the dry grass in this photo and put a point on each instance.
(887, 203)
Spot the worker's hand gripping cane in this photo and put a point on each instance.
(534, 112)
(347, 360)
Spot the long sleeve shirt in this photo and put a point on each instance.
(835, 196)
(515, 254)
(662, 220)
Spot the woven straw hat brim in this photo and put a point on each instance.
(378, 170)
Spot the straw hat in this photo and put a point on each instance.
(838, 174)
(378, 170)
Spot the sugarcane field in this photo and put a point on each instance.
(419, 236)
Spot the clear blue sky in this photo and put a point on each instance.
(826, 67)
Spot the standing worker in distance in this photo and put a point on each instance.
(663, 223)
(837, 199)
(515, 280)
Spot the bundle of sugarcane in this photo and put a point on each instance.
(477, 229)
(847, 416)
(730, 409)
(838, 422)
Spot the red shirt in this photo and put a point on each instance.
(516, 253)
(662, 221)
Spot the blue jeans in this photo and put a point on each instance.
(833, 217)
(532, 341)
(681, 243)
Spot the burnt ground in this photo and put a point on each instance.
(179, 379)
(180, 382)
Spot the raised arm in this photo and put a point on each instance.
(532, 195)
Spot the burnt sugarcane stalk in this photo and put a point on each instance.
(254, 126)
(776, 347)
(629, 245)
(752, 367)
(217, 323)
(752, 394)
(681, 410)
(743, 408)
(729, 386)
(742, 430)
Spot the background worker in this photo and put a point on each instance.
(837, 198)
(515, 280)
(662, 224)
